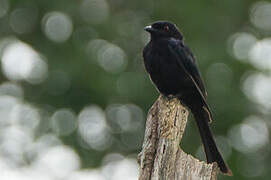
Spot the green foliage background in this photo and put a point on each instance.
(208, 27)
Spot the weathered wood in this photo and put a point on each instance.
(161, 157)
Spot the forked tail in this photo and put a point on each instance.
(210, 148)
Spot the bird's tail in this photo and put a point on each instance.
(212, 154)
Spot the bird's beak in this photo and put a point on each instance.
(149, 29)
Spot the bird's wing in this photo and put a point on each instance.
(192, 68)
(187, 62)
(186, 59)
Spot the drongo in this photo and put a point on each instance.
(173, 69)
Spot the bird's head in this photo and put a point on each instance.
(164, 29)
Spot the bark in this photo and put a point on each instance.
(161, 157)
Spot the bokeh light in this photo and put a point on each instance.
(14, 144)
(59, 161)
(109, 56)
(74, 93)
(125, 118)
(21, 62)
(93, 128)
(86, 175)
(7, 103)
(260, 54)
(261, 14)
(112, 58)
(23, 20)
(241, 44)
(57, 26)
(121, 169)
(11, 89)
(25, 116)
(250, 136)
(64, 122)
(257, 87)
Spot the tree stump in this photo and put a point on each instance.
(161, 157)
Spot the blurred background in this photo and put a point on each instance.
(74, 94)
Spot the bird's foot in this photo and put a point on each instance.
(168, 97)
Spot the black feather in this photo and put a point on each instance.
(173, 69)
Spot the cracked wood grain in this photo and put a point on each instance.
(161, 157)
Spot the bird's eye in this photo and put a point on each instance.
(166, 28)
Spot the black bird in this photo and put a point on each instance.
(172, 68)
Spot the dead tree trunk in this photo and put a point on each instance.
(161, 157)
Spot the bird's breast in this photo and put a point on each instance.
(165, 71)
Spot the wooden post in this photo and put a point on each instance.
(161, 157)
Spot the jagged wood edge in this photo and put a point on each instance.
(161, 157)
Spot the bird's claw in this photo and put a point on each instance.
(168, 97)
